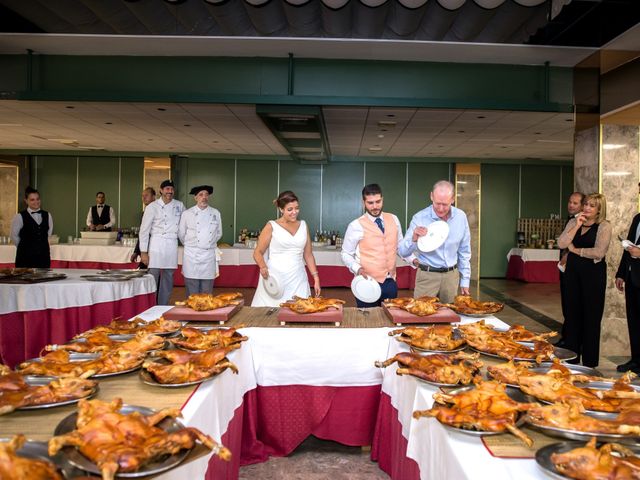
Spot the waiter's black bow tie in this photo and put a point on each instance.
(36, 211)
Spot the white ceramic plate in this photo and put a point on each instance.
(273, 286)
(365, 289)
(437, 233)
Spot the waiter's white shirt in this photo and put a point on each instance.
(353, 235)
(199, 232)
(17, 224)
(159, 233)
(112, 216)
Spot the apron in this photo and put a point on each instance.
(163, 252)
(199, 262)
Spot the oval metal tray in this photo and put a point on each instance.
(36, 381)
(147, 378)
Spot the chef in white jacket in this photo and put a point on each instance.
(159, 239)
(199, 231)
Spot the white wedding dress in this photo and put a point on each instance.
(287, 264)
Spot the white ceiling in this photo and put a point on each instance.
(237, 130)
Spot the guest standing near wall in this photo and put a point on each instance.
(148, 196)
(199, 231)
(159, 239)
(30, 232)
(574, 207)
(587, 238)
(628, 281)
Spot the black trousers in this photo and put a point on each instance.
(632, 298)
(585, 284)
(389, 289)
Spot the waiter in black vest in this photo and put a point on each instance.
(628, 281)
(101, 216)
(30, 231)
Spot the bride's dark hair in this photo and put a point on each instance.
(285, 197)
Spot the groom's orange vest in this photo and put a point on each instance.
(378, 250)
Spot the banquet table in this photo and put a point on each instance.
(237, 267)
(34, 315)
(535, 265)
(296, 381)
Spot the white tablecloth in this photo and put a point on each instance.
(70, 292)
(535, 254)
(439, 452)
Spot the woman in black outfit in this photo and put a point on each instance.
(587, 238)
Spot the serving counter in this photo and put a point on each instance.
(297, 381)
(535, 265)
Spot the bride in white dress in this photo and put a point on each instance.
(289, 245)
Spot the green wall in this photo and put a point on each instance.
(499, 215)
(537, 190)
(55, 177)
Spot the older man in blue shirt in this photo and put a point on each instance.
(441, 270)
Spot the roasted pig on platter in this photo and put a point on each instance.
(487, 408)
(184, 367)
(521, 334)
(13, 466)
(571, 416)
(511, 371)
(421, 306)
(118, 442)
(609, 462)
(436, 337)
(15, 392)
(126, 356)
(94, 342)
(312, 304)
(120, 327)
(555, 388)
(496, 343)
(196, 339)
(201, 302)
(454, 369)
(465, 305)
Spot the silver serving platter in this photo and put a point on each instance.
(543, 456)
(35, 450)
(37, 381)
(83, 357)
(436, 383)
(162, 464)
(124, 271)
(561, 354)
(147, 378)
(107, 278)
(586, 436)
(514, 393)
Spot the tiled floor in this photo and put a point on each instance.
(536, 306)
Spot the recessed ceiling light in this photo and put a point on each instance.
(149, 139)
(160, 109)
(375, 149)
(386, 123)
(381, 136)
(568, 119)
(481, 116)
(537, 133)
(187, 124)
(108, 123)
(461, 131)
(391, 115)
(71, 107)
(616, 174)
(612, 146)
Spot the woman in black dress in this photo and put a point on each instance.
(587, 238)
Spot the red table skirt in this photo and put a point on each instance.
(24, 334)
(533, 272)
(273, 421)
(389, 446)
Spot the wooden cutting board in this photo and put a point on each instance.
(332, 315)
(402, 317)
(220, 315)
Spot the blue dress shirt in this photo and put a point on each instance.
(456, 250)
